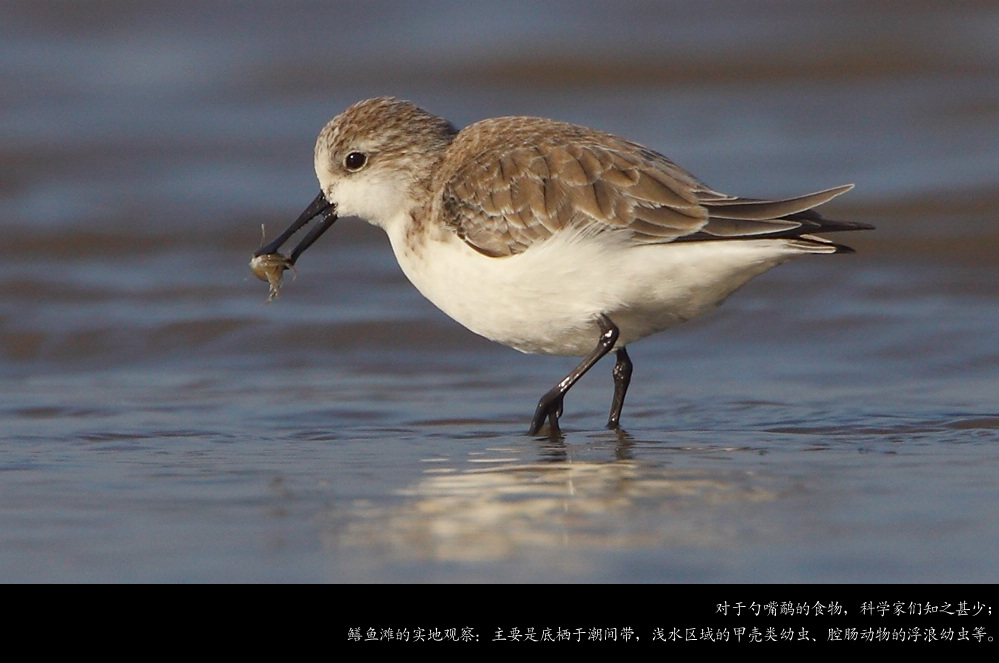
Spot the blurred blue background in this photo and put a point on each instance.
(835, 421)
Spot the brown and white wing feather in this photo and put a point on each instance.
(504, 196)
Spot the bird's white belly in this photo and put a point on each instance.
(546, 299)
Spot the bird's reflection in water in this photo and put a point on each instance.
(496, 505)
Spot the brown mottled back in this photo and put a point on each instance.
(510, 182)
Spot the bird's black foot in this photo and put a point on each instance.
(549, 409)
(550, 406)
(622, 378)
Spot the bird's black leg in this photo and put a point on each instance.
(550, 405)
(622, 378)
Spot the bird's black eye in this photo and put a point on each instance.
(355, 161)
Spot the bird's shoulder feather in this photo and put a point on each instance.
(508, 183)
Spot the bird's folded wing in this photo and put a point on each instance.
(505, 200)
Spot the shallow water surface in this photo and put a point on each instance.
(835, 421)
